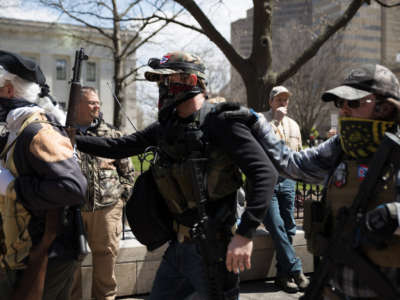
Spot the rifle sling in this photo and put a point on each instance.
(201, 229)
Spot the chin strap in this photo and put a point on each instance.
(166, 111)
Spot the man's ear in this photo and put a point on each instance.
(193, 79)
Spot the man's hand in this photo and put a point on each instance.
(280, 113)
(379, 224)
(238, 254)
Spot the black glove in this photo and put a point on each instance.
(379, 225)
(234, 111)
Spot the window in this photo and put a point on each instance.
(61, 69)
(90, 71)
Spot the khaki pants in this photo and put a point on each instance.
(103, 229)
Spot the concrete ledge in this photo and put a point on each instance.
(136, 267)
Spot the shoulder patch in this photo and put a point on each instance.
(50, 146)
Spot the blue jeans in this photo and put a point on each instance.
(182, 272)
(280, 223)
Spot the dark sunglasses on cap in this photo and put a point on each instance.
(339, 103)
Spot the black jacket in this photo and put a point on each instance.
(232, 136)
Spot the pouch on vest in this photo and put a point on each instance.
(314, 226)
(147, 213)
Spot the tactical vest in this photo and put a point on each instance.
(15, 218)
(338, 197)
(182, 141)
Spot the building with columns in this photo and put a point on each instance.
(53, 48)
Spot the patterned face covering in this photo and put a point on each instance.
(360, 138)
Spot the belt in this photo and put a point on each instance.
(183, 232)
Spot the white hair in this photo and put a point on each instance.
(30, 91)
(22, 88)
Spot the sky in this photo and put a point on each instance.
(172, 38)
(221, 13)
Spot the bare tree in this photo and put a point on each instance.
(317, 75)
(124, 28)
(257, 69)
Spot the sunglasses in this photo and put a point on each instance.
(339, 103)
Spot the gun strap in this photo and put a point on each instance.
(201, 229)
(25, 124)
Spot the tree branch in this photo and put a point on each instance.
(170, 20)
(91, 41)
(130, 73)
(64, 10)
(387, 5)
(147, 39)
(328, 31)
(210, 31)
(123, 14)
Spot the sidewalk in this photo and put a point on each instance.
(251, 290)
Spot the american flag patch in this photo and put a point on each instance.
(362, 171)
(164, 59)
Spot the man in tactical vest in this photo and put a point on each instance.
(196, 165)
(39, 177)
(368, 103)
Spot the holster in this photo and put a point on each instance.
(314, 226)
(80, 234)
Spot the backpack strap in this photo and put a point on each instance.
(33, 118)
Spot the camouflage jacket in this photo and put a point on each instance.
(108, 179)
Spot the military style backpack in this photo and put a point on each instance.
(14, 236)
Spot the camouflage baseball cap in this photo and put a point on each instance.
(365, 80)
(175, 63)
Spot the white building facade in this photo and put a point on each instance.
(51, 46)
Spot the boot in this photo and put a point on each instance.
(301, 280)
(285, 283)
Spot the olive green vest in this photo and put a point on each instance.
(172, 173)
(339, 197)
(15, 218)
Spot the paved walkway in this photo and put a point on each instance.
(251, 290)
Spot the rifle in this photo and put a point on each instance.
(74, 98)
(31, 286)
(343, 247)
(204, 234)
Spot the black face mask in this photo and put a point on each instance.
(6, 105)
(162, 94)
(173, 94)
